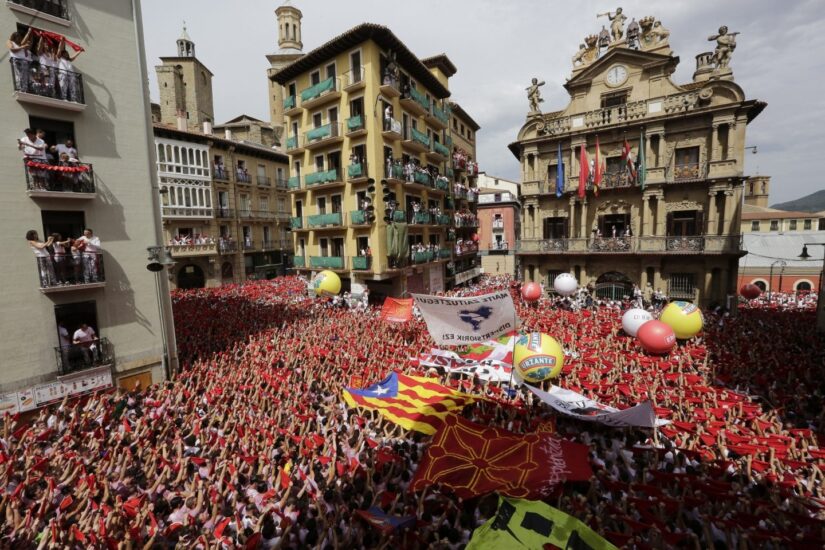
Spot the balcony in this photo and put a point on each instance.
(450, 173)
(416, 141)
(688, 172)
(185, 212)
(357, 173)
(55, 11)
(298, 261)
(227, 245)
(264, 181)
(245, 213)
(442, 184)
(324, 177)
(295, 145)
(423, 257)
(220, 172)
(326, 262)
(282, 215)
(466, 248)
(422, 178)
(437, 118)
(294, 183)
(694, 243)
(276, 244)
(190, 250)
(71, 271)
(65, 182)
(499, 246)
(361, 263)
(445, 254)
(443, 219)
(296, 223)
(323, 92)
(248, 244)
(421, 218)
(281, 183)
(291, 107)
(415, 102)
(359, 217)
(399, 216)
(466, 222)
(242, 176)
(354, 79)
(498, 225)
(392, 129)
(224, 213)
(79, 357)
(58, 88)
(389, 87)
(322, 136)
(441, 150)
(395, 173)
(321, 221)
(356, 126)
(612, 244)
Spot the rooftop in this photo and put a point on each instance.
(462, 114)
(382, 36)
(440, 61)
(239, 145)
(753, 212)
(766, 248)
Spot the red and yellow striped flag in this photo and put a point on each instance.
(413, 402)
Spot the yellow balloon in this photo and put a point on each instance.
(537, 357)
(684, 318)
(327, 283)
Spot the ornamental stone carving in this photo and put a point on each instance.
(681, 206)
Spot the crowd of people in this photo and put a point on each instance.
(251, 445)
(188, 240)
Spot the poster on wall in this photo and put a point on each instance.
(436, 279)
(8, 403)
(25, 400)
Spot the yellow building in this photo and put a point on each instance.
(673, 225)
(378, 194)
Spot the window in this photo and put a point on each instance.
(336, 204)
(299, 209)
(684, 223)
(317, 120)
(755, 225)
(314, 78)
(322, 205)
(619, 222)
(774, 225)
(363, 245)
(319, 163)
(338, 246)
(66, 223)
(267, 234)
(332, 115)
(455, 124)
(292, 89)
(323, 245)
(57, 131)
(331, 70)
(802, 286)
(681, 285)
(261, 172)
(687, 163)
(244, 204)
(614, 100)
(69, 318)
(552, 228)
(821, 225)
(263, 203)
(356, 107)
(761, 284)
(806, 225)
(334, 161)
(792, 225)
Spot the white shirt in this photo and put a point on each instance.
(84, 336)
(63, 335)
(30, 147)
(92, 244)
(19, 54)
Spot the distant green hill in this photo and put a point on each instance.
(815, 202)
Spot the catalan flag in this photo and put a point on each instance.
(413, 402)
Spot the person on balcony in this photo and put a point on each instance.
(34, 149)
(89, 247)
(44, 259)
(60, 249)
(388, 118)
(67, 76)
(21, 58)
(47, 58)
(87, 342)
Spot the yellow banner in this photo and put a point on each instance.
(532, 524)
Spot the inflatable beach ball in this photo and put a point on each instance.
(750, 291)
(565, 284)
(327, 283)
(684, 318)
(531, 292)
(537, 357)
(656, 337)
(633, 319)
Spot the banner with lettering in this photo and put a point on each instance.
(461, 321)
(578, 406)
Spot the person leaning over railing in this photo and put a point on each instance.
(44, 259)
(47, 59)
(67, 76)
(21, 58)
(89, 247)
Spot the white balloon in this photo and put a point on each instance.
(565, 284)
(633, 319)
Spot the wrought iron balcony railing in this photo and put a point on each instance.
(55, 8)
(29, 77)
(47, 178)
(70, 270)
(79, 357)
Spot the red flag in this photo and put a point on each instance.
(627, 156)
(597, 168)
(153, 525)
(372, 443)
(54, 39)
(284, 479)
(78, 536)
(126, 427)
(220, 528)
(66, 502)
(397, 310)
(472, 460)
(584, 170)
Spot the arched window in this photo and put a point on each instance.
(761, 284)
(803, 286)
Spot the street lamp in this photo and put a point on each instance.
(782, 263)
(820, 303)
(156, 265)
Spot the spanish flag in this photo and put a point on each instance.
(413, 402)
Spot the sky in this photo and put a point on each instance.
(499, 45)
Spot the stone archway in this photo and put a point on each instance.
(613, 285)
(191, 276)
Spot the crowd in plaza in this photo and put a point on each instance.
(251, 445)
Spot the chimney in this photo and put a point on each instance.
(227, 133)
(180, 117)
(207, 127)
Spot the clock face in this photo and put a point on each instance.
(616, 75)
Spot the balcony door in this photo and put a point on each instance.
(338, 247)
(336, 204)
(66, 223)
(685, 223)
(619, 222)
(553, 228)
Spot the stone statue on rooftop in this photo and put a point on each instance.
(534, 95)
(616, 23)
(725, 44)
(588, 52)
(653, 34)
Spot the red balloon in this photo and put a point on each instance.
(531, 292)
(750, 291)
(656, 337)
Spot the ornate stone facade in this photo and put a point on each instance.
(678, 231)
